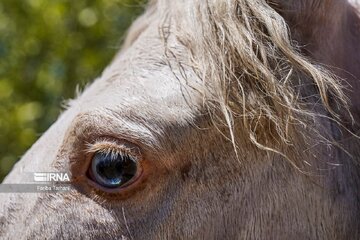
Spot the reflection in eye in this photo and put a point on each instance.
(113, 169)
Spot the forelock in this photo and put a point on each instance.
(254, 76)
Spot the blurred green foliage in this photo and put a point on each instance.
(47, 48)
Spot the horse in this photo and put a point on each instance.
(217, 119)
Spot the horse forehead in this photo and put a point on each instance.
(150, 93)
(140, 77)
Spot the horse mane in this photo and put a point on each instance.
(253, 72)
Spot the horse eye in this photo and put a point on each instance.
(112, 170)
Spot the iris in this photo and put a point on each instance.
(113, 170)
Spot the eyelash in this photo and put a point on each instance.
(110, 147)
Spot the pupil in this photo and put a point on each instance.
(110, 170)
(113, 171)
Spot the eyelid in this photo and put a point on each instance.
(114, 146)
(90, 126)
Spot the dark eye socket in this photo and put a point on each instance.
(113, 170)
